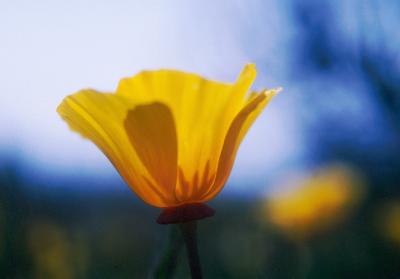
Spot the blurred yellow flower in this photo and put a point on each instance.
(51, 253)
(171, 135)
(390, 221)
(317, 203)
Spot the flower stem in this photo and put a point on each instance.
(189, 233)
(168, 261)
(305, 259)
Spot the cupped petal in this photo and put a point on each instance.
(237, 130)
(100, 118)
(151, 130)
(203, 110)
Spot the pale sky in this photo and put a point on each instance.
(49, 49)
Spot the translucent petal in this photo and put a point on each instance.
(237, 130)
(100, 118)
(151, 130)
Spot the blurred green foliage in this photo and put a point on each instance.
(65, 234)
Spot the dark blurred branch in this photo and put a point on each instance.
(371, 58)
(380, 67)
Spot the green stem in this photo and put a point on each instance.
(168, 261)
(189, 233)
(305, 259)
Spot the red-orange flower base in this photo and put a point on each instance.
(185, 213)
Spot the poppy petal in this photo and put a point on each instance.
(151, 131)
(238, 129)
(100, 118)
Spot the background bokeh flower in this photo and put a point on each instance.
(314, 203)
(55, 253)
(389, 221)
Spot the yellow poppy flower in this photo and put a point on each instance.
(318, 203)
(389, 221)
(171, 135)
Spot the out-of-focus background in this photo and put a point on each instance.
(315, 191)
